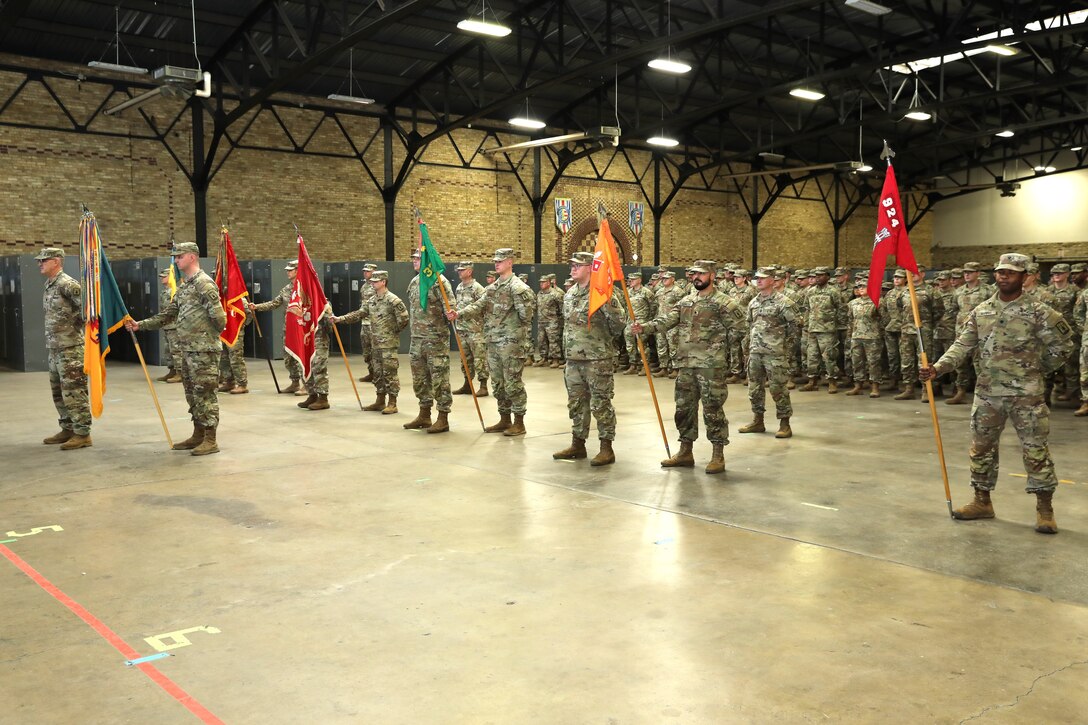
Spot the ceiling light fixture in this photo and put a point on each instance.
(667, 64)
(806, 93)
(1002, 50)
(919, 115)
(1075, 148)
(862, 166)
(866, 6)
(117, 66)
(1006, 133)
(914, 110)
(1045, 169)
(527, 121)
(481, 26)
(662, 141)
(350, 97)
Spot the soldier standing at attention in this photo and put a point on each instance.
(200, 318)
(969, 296)
(702, 321)
(63, 303)
(1080, 317)
(824, 308)
(170, 335)
(771, 319)
(1019, 341)
(472, 331)
(865, 341)
(507, 311)
(944, 315)
(429, 353)
(1063, 298)
(910, 356)
(388, 316)
(233, 376)
(892, 318)
(549, 309)
(742, 293)
(643, 304)
(558, 294)
(294, 368)
(588, 374)
(366, 293)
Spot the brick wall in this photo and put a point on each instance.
(471, 201)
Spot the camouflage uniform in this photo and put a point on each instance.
(966, 299)
(318, 383)
(701, 324)
(864, 339)
(1017, 343)
(670, 297)
(892, 321)
(824, 308)
(1064, 300)
(944, 315)
(549, 309)
(771, 322)
(232, 360)
(506, 308)
(429, 353)
(472, 331)
(64, 329)
(170, 334)
(294, 369)
(590, 350)
(200, 318)
(387, 316)
(909, 354)
(1080, 316)
(740, 337)
(642, 302)
(366, 294)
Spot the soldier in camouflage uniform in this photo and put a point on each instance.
(823, 308)
(64, 330)
(742, 293)
(200, 319)
(944, 317)
(472, 332)
(771, 319)
(642, 302)
(429, 353)
(1019, 341)
(671, 295)
(703, 321)
(968, 296)
(910, 355)
(366, 292)
(171, 355)
(1063, 298)
(892, 320)
(864, 321)
(294, 369)
(507, 308)
(588, 373)
(1080, 318)
(233, 376)
(387, 316)
(549, 307)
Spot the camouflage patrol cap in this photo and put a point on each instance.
(581, 259)
(957, 273)
(380, 275)
(184, 248)
(524, 277)
(492, 274)
(787, 269)
(765, 272)
(972, 267)
(900, 273)
(742, 272)
(416, 254)
(944, 274)
(698, 267)
(503, 254)
(668, 274)
(1033, 268)
(710, 264)
(634, 276)
(369, 267)
(569, 281)
(1078, 267)
(1059, 268)
(840, 271)
(164, 273)
(780, 274)
(464, 264)
(291, 266)
(801, 273)
(886, 286)
(819, 270)
(50, 253)
(662, 268)
(1013, 262)
(860, 283)
(655, 275)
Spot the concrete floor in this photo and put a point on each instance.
(357, 572)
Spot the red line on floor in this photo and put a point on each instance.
(113, 638)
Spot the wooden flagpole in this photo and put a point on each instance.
(351, 376)
(154, 397)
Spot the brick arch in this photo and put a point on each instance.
(577, 240)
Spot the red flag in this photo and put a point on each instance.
(304, 312)
(231, 292)
(606, 269)
(891, 237)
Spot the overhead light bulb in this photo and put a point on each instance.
(866, 6)
(350, 99)
(668, 65)
(1006, 133)
(864, 168)
(807, 94)
(662, 141)
(118, 68)
(483, 27)
(1075, 148)
(532, 123)
(1045, 169)
(1001, 50)
(919, 116)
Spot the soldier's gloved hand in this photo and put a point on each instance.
(926, 372)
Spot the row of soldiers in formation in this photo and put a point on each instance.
(1016, 337)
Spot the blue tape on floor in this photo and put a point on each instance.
(149, 658)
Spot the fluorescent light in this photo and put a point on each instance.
(808, 95)
(866, 6)
(1006, 133)
(522, 122)
(1002, 50)
(662, 141)
(668, 65)
(483, 28)
(919, 116)
(1046, 169)
(350, 99)
(118, 68)
(864, 167)
(1075, 148)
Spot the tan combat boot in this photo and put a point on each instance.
(832, 386)
(756, 426)
(441, 423)
(310, 400)
(239, 390)
(175, 377)
(576, 450)
(502, 425)
(1044, 512)
(907, 393)
(423, 420)
(874, 390)
(76, 441)
(856, 390)
(784, 430)
(166, 377)
(378, 404)
(56, 438)
(810, 386)
(606, 456)
(960, 398)
(661, 373)
(463, 390)
(192, 441)
(292, 388)
(682, 459)
(322, 403)
(368, 378)
(631, 370)
(732, 380)
(556, 364)
(517, 428)
(717, 459)
(980, 508)
(481, 392)
(1082, 410)
(674, 374)
(207, 445)
(224, 387)
(390, 406)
